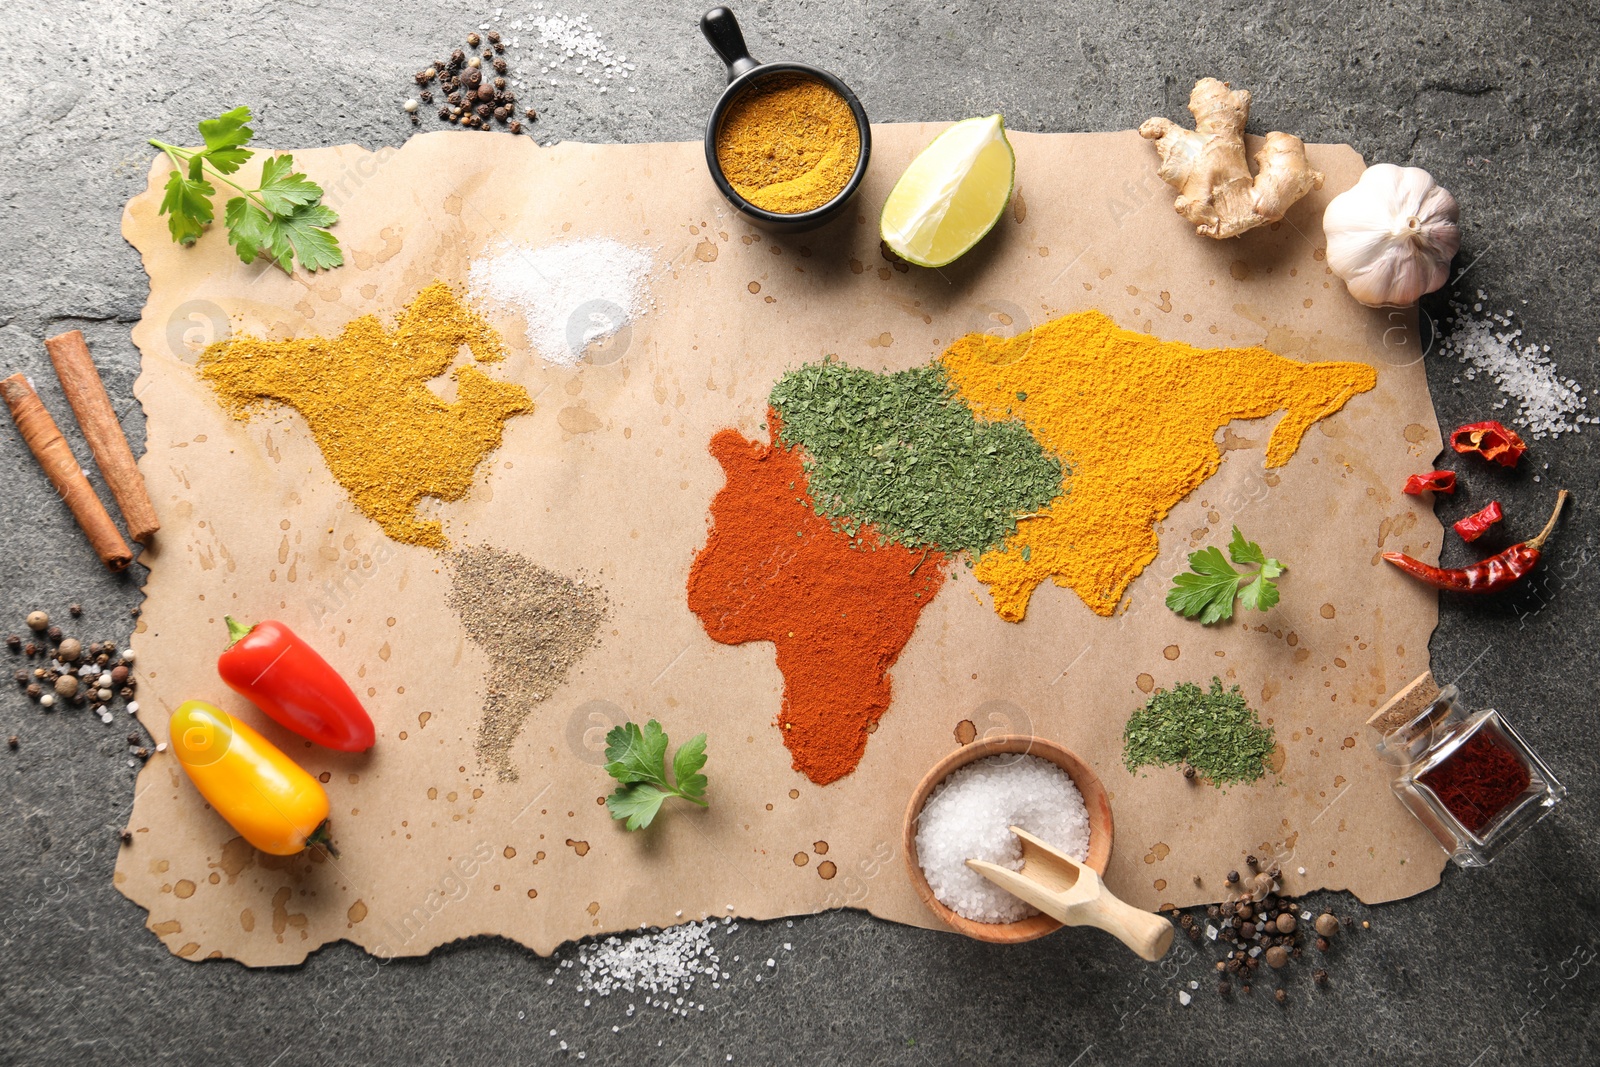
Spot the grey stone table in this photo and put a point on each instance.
(1495, 966)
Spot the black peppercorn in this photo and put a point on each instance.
(530, 113)
(75, 610)
(133, 739)
(126, 836)
(499, 66)
(1233, 877)
(499, 49)
(1322, 944)
(483, 111)
(500, 113)
(425, 96)
(499, 83)
(141, 753)
(1319, 976)
(516, 127)
(1280, 996)
(12, 741)
(454, 98)
(35, 690)
(1250, 861)
(22, 677)
(13, 642)
(1223, 988)
(30, 649)
(1245, 988)
(444, 113)
(126, 692)
(457, 58)
(1186, 919)
(54, 633)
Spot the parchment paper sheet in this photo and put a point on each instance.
(610, 475)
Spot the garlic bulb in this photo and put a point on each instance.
(1392, 236)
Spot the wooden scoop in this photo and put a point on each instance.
(1072, 894)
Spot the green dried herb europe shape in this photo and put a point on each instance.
(1214, 732)
(904, 453)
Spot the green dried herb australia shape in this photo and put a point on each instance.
(904, 453)
(1216, 733)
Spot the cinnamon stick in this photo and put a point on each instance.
(80, 380)
(55, 456)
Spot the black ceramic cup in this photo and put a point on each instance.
(722, 30)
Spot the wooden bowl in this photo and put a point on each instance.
(1094, 798)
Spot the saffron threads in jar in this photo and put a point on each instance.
(1478, 781)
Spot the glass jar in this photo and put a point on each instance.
(1469, 777)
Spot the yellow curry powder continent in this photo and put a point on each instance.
(1135, 418)
(386, 437)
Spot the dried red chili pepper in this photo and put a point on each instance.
(1477, 524)
(1486, 575)
(1438, 481)
(1491, 440)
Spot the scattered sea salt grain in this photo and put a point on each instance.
(1184, 998)
(1548, 404)
(666, 962)
(571, 293)
(968, 816)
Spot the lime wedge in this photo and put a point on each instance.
(952, 194)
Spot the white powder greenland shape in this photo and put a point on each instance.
(969, 816)
(1548, 404)
(570, 294)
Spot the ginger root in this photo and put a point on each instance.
(1208, 168)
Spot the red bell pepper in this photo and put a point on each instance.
(270, 666)
(1476, 525)
(1491, 440)
(1438, 481)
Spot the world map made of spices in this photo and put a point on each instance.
(1050, 455)
(1053, 454)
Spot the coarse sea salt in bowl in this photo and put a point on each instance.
(1097, 808)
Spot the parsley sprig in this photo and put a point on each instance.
(638, 759)
(282, 218)
(1209, 587)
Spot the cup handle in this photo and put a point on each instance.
(722, 30)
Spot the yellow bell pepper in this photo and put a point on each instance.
(266, 796)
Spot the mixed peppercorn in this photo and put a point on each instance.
(1259, 925)
(476, 94)
(60, 672)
